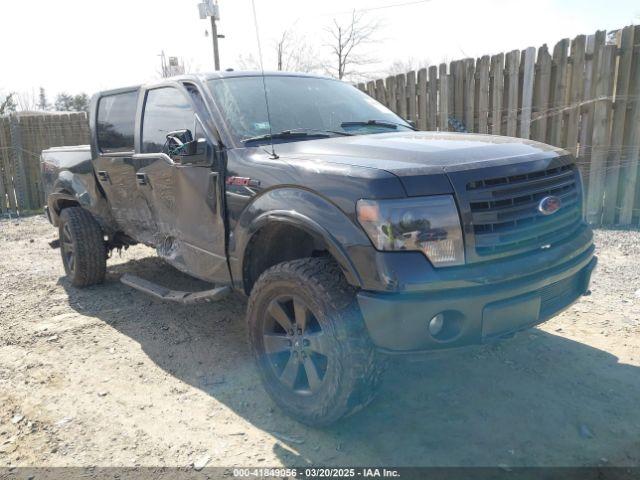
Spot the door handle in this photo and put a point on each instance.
(103, 176)
(141, 178)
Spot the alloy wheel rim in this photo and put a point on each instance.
(295, 345)
(67, 248)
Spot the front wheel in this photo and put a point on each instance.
(84, 255)
(310, 343)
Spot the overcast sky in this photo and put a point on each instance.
(87, 45)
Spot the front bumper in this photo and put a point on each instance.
(398, 322)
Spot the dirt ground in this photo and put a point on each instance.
(107, 376)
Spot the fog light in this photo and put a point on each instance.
(436, 324)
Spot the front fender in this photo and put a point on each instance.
(308, 211)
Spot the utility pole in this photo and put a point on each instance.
(209, 9)
(214, 34)
(163, 65)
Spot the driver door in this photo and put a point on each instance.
(183, 192)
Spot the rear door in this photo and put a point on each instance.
(185, 198)
(116, 168)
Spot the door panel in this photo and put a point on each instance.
(190, 230)
(130, 207)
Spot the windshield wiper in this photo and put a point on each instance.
(296, 133)
(376, 123)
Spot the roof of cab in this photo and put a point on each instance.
(257, 73)
(213, 75)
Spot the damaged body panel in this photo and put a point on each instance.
(68, 178)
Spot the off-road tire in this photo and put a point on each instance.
(352, 375)
(82, 232)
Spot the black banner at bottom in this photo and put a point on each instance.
(404, 473)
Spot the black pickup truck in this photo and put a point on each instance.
(354, 235)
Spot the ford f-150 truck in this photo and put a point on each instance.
(353, 235)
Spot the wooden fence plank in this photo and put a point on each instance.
(629, 194)
(483, 94)
(391, 93)
(401, 95)
(576, 93)
(558, 93)
(411, 97)
(432, 106)
(511, 92)
(28, 132)
(450, 90)
(371, 88)
(594, 44)
(380, 93)
(469, 94)
(444, 98)
(457, 72)
(625, 44)
(542, 85)
(601, 132)
(497, 86)
(422, 99)
(528, 72)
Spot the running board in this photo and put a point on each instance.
(163, 293)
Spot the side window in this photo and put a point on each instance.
(166, 110)
(116, 122)
(197, 99)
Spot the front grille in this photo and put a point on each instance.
(505, 216)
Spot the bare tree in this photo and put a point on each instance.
(248, 62)
(281, 47)
(27, 101)
(294, 54)
(407, 65)
(346, 42)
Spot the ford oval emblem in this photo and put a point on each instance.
(549, 205)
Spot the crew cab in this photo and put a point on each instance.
(354, 235)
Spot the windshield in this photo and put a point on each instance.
(319, 107)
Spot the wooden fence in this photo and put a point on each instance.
(22, 137)
(583, 96)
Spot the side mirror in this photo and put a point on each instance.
(184, 149)
(197, 152)
(177, 139)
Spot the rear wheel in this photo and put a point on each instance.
(312, 349)
(84, 254)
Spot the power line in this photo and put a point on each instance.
(381, 7)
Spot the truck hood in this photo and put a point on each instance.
(410, 155)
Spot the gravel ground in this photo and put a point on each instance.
(106, 376)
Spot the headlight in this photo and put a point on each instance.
(428, 224)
